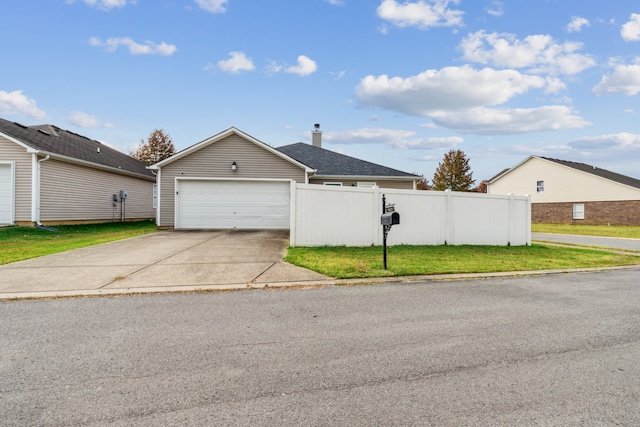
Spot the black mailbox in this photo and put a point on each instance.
(390, 218)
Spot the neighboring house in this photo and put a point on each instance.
(232, 180)
(568, 192)
(50, 175)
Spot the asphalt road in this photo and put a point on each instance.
(549, 350)
(627, 244)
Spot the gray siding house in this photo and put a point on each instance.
(49, 175)
(233, 180)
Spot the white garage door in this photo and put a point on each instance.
(233, 204)
(6, 194)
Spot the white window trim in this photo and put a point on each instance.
(540, 186)
(579, 212)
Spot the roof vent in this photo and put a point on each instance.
(98, 150)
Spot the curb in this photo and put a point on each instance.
(232, 287)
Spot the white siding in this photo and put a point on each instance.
(326, 215)
(561, 184)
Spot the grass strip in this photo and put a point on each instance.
(346, 262)
(18, 243)
(620, 231)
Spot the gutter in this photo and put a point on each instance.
(38, 167)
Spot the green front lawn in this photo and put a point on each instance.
(18, 243)
(344, 262)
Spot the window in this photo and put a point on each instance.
(336, 184)
(539, 186)
(578, 211)
(366, 184)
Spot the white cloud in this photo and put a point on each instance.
(576, 24)
(621, 142)
(305, 67)
(17, 103)
(631, 30)
(493, 121)
(459, 98)
(496, 8)
(105, 4)
(448, 89)
(554, 85)
(537, 53)
(396, 138)
(213, 6)
(624, 79)
(237, 62)
(338, 75)
(148, 48)
(273, 67)
(335, 2)
(422, 13)
(85, 120)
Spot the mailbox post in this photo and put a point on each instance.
(388, 219)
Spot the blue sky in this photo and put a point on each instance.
(394, 82)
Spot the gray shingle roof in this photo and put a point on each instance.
(330, 163)
(56, 141)
(602, 173)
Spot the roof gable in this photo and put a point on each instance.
(582, 167)
(330, 163)
(62, 144)
(222, 135)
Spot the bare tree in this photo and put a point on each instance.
(453, 173)
(158, 147)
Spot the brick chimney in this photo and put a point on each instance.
(316, 136)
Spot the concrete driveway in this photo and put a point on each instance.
(162, 261)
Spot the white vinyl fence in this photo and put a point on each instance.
(350, 216)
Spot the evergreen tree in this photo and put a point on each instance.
(453, 173)
(158, 147)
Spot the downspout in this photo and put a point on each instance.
(47, 157)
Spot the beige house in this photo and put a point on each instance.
(52, 176)
(232, 180)
(570, 192)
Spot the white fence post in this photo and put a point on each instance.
(528, 219)
(292, 213)
(376, 211)
(449, 219)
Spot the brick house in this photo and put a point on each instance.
(564, 192)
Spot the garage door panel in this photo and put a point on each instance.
(233, 204)
(6, 194)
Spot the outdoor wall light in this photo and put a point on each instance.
(234, 166)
